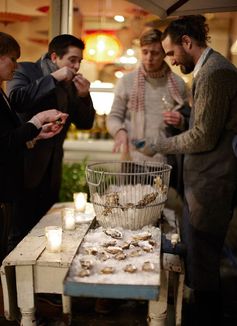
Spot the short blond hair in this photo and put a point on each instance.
(149, 36)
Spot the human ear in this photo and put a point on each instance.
(53, 57)
(187, 41)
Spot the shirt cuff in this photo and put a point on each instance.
(36, 122)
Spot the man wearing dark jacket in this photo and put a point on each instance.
(51, 82)
(15, 137)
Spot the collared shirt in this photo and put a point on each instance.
(200, 61)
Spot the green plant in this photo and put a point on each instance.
(73, 180)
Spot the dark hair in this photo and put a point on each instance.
(193, 26)
(60, 44)
(150, 36)
(8, 45)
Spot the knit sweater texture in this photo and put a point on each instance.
(155, 89)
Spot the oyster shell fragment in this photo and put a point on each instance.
(130, 268)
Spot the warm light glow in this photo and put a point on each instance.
(80, 199)
(233, 48)
(119, 18)
(119, 74)
(53, 238)
(101, 47)
(102, 101)
(128, 60)
(130, 52)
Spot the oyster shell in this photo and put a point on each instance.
(103, 256)
(127, 206)
(152, 242)
(130, 268)
(147, 199)
(109, 243)
(120, 256)
(148, 266)
(114, 233)
(112, 199)
(91, 250)
(107, 211)
(114, 250)
(84, 272)
(142, 236)
(135, 253)
(126, 245)
(107, 270)
(86, 264)
(146, 246)
(158, 182)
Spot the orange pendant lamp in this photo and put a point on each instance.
(101, 47)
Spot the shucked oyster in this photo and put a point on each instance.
(142, 236)
(103, 256)
(114, 233)
(109, 243)
(148, 266)
(130, 268)
(146, 246)
(107, 270)
(84, 272)
(86, 264)
(135, 253)
(120, 256)
(114, 250)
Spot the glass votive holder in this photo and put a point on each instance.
(68, 218)
(80, 200)
(53, 238)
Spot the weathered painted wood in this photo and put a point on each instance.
(36, 269)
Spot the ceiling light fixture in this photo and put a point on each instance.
(119, 18)
(101, 47)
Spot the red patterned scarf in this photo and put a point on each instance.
(136, 100)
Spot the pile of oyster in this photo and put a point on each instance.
(130, 206)
(118, 252)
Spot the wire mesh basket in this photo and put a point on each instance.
(128, 194)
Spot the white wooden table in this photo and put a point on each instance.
(30, 269)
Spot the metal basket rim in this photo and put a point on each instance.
(167, 167)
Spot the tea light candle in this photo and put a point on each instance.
(68, 218)
(54, 238)
(80, 199)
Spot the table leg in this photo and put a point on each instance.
(178, 297)
(157, 310)
(67, 316)
(25, 294)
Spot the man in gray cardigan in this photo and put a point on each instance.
(210, 166)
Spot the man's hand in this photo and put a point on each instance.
(49, 130)
(172, 118)
(51, 116)
(145, 147)
(82, 85)
(64, 74)
(121, 142)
